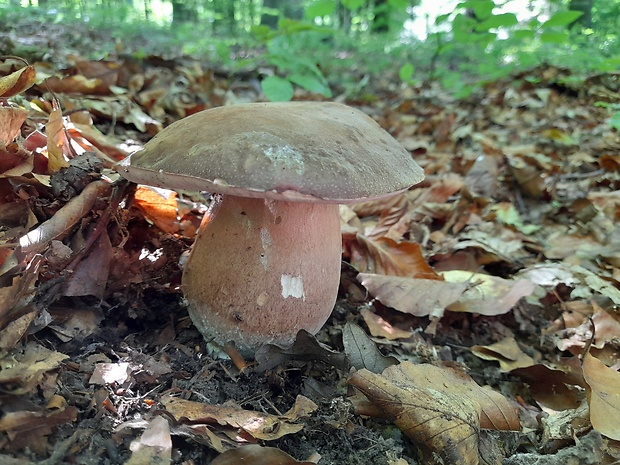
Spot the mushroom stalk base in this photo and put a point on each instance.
(261, 270)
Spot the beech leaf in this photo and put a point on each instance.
(603, 396)
(362, 351)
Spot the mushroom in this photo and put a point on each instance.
(266, 260)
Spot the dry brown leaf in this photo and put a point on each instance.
(379, 327)
(90, 276)
(17, 82)
(57, 143)
(388, 257)
(440, 409)
(159, 206)
(440, 425)
(77, 84)
(236, 420)
(486, 294)
(420, 297)
(603, 396)
(506, 352)
(558, 387)
(256, 455)
(26, 366)
(11, 120)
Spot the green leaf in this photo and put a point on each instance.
(399, 4)
(442, 19)
(320, 8)
(311, 84)
(352, 4)
(495, 21)
(277, 89)
(522, 34)
(614, 122)
(562, 18)
(554, 37)
(482, 8)
(406, 72)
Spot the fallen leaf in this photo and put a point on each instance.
(159, 206)
(236, 423)
(110, 373)
(362, 351)
(438, 423)
(11, 120)
(506, 352)
(486, 294)
(57, 143)
(388, 257)
(17, 82)
(603, 396)
(256, 455)
(558, 387)
(440, 409)
(26, 366)
(154, 447)
(305, 347)
(379, 327)
(419, 297)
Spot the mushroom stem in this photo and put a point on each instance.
(261, 270)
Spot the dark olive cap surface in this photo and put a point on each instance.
(294, 151)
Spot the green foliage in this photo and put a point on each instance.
(295, 68)
(562, 19)
(277, 89)
(320, 9)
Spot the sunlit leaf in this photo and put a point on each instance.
(277, 89)
(562, 18)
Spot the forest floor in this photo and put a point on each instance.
(477, 319)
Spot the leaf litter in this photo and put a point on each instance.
(501, 267)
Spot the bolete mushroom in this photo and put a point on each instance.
(266, 260)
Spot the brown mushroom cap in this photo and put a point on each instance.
(295, 151)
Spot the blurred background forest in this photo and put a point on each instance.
(318, 45)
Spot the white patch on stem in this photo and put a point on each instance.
(292, 286)
(266, 243)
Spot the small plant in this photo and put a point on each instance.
(293, 68)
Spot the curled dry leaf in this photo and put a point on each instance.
(17, 82)
(420, 297)
(440, 409)
(236, 423)
(159, 206)
(558, 387)
(487, 295)
(603, 396)
(388, 257)
(256, 455)
(506, 352)
(57, 142)
(64, 219)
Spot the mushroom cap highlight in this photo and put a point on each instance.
(293, 151)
